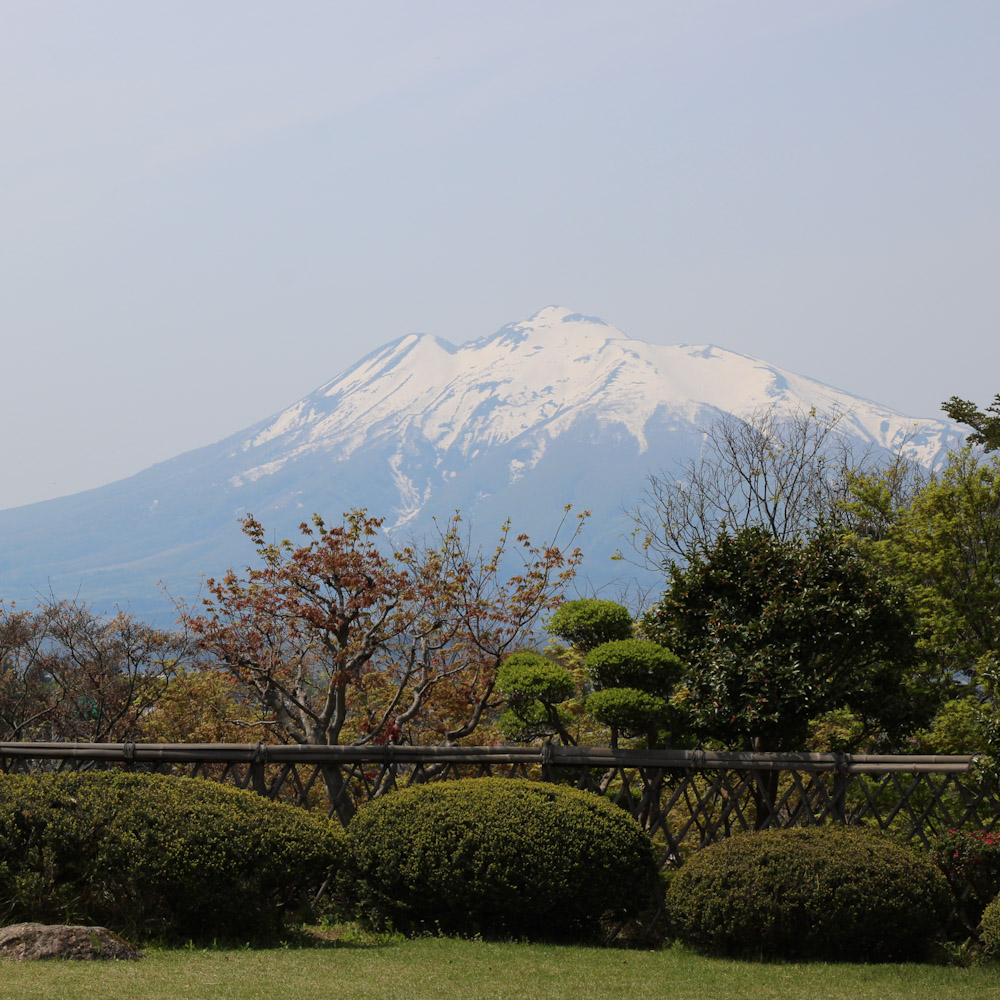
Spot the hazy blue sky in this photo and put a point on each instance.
(209, 207)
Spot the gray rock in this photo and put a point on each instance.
(34, 941)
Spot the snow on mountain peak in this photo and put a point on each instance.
(556, 323)
(534, 380)
(559, 408)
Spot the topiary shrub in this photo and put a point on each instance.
(633, 663)
(534, 721)
(819, 893)
(628, 711)
(499, 857)
(533, 687)
(633, 678)
(527, 677)
(156, 856)
(589, 622)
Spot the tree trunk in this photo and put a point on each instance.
(338, 793)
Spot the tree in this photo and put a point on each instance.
(202, 705)
(110, 671)
(785, 473)
(632, 680)
(29, 697)
(534, 689)
(589, 622)
(775, 632)
(985, 425)
(68, 673)
(944, 549)
(343, 640)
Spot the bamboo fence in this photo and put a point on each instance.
(684, 799)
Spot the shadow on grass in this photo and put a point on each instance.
(308, 937)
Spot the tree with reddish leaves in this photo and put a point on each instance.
(342, 639)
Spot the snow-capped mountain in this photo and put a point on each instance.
(561, 408)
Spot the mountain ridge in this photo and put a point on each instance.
(559, 408)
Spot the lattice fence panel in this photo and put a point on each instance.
(684, 800)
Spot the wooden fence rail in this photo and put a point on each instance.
(684, 799)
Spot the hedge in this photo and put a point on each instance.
(152, 856)
(499, 857)
(817, 893)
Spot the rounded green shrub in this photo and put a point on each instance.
(989, 929)
(818, 893)
(157, 856)
(633, 663)
(628, 710)
(589, 622)
(526, 677)
(499, 857)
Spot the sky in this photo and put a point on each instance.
(210, 207)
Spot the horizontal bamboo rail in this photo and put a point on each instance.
(558, 756)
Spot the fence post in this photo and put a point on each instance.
(840, 779)
(258, 778)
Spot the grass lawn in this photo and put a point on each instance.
(473, 970)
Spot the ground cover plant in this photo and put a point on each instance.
(152, 856)
(499, 857)
(815, 893)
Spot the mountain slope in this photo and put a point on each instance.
(560, 408)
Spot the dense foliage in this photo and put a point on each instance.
(500, 857)
(991, 928)
(533, 688)
(970, 861)
(774, 633)
(631, 712)
(818, 893)
(944, 548)
(589, 622)
(633, 663)
(155, 856)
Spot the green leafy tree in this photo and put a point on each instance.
(589, 622)
(985, 424)
(776, 632)
(944, 549)
(534, 689)
(633, 679)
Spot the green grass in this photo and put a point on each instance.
(434, 968)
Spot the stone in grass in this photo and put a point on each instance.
(34, 941)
